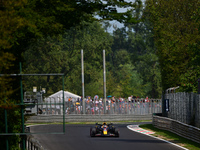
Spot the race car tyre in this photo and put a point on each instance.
(116, 132)
(92, 132)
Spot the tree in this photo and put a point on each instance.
(176, 33)
(130, 81)
(62, 54)
(23, 22)
(7, 105)
(134, 44)
(31, 18)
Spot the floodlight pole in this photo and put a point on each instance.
(63, 104)
(104, 80)
(82, 67)
(83, 92)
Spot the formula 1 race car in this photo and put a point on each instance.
(104, 130)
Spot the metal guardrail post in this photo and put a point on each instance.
(6, 128)
(22, 109)
(163, 105)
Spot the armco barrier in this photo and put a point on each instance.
(86, 118)
(179, 128)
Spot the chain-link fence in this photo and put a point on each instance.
(137, 107)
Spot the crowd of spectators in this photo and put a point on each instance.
(112, 104)
(96, 105)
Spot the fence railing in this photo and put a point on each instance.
(184, 107)
(137, 107)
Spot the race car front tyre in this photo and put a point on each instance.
(92, 132)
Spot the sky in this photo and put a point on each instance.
(116, 23)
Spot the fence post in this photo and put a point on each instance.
(83, 102)
(198, 85)
(164, 113)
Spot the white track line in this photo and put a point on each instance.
(154, 136)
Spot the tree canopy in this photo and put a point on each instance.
(24, 22)
(176, 33)
(62, 54)
(157, 48)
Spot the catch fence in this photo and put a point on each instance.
(184, 107)
(137, 107)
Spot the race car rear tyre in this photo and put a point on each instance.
(116, 132)
(92, 132)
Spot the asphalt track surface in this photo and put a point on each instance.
(77, 137)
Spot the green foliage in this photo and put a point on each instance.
(176, 27)
(130, 81)
(23, 20)
(62, 55)
(123, 80)
(134, 45)
(5, 64)
(13, 126)
(7, 104)
(27, 34)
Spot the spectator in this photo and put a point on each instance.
(133, 98)
(113, 99)
(130, 98)
(147, 99)
(120, 99)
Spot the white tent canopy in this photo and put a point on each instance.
(58, 96)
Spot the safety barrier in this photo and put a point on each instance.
(177, 127)
(86, 118)
(184, 107)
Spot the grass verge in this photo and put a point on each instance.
(171, 137)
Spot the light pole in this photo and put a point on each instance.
(104, 80)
